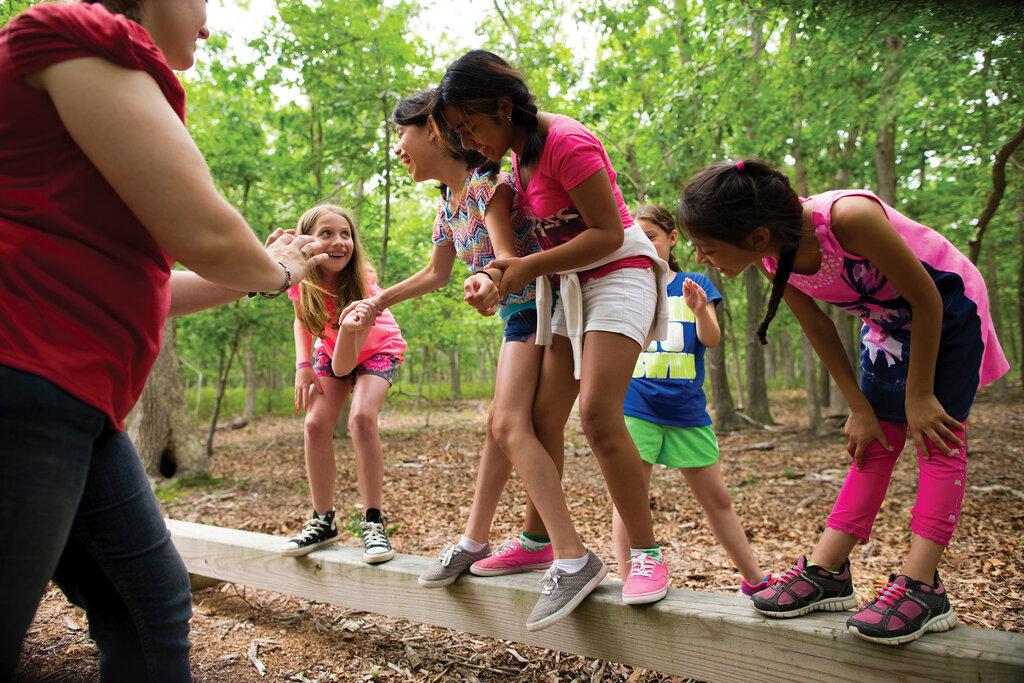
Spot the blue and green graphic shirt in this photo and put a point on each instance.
(668, 380)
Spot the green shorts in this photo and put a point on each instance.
(673, 446)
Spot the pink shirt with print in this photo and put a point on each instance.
(571, 155)
(384, 337)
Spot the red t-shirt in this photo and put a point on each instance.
(83, 286)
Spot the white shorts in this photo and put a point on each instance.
(623, 302)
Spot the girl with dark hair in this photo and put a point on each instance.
(611, 304)
(478, 220)
(356, 353)
(101, 191)
(849, 248)
(666, 409)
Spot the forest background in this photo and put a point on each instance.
(919, 101)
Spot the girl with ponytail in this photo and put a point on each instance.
(850, 249)
(611, 305)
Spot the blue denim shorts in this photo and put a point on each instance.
(521, 325)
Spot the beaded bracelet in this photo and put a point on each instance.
(284, 288)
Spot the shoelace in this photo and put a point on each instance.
(892, 593)
(506, 547)
(791, 575)
(550, 581)
(313, 527)
(641, 564)
(449, 551)
(373, 535)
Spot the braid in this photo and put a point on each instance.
(782, 272)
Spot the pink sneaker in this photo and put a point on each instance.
(647, 580)
(512, 558)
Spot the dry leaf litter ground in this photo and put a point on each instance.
(783, 484)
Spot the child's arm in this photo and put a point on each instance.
(862, 228)
(708, 332)
(306, 381)
(355, 328)
(434, 276)
(481, 290)
(862, 426)
(595, 201)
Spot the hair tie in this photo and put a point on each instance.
(740, 166)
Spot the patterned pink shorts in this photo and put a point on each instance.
(380, 364)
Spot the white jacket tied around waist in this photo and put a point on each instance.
(634, 243)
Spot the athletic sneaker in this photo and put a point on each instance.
(317, 534)
(904, 611)
(749, 589)
(807, 588)
(453, 562)
(561, 592)
(511, 558)
(376, 546)
(647, 580)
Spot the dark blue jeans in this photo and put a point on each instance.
(75, 506)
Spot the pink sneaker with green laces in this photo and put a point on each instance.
(647, 580)
(511, 558)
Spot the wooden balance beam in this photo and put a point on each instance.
(702, 635)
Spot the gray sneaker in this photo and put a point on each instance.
(453, 561)
(561, 592)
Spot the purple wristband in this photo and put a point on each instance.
(303, 364)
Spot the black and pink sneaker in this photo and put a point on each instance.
(904, 611)
(807, 588)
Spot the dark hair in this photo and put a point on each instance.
(664, 219)
(415, 110)
(727, 201)
(129, 8)
(475, 82)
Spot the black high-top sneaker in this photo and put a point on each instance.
(376, 546)
(319, 532)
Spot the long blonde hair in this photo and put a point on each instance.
(353, 282)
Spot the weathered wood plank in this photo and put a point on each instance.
(707, 636)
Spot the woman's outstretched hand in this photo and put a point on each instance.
(298, 253)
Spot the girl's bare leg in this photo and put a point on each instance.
(318, 432)
(608, 361)
(367, 399)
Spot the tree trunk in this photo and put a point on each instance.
(1020, 281)
(757, 387)
(222, 383)
(454, 373)
(425, 355)
(810, 371)
(885, 142)
(837, 405)
(387, 189)
(725, 410)
(996, 196)
(316, 144)
(249, 411)
(785, 344)
(160, 427)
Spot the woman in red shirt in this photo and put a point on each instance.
(101, 191)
